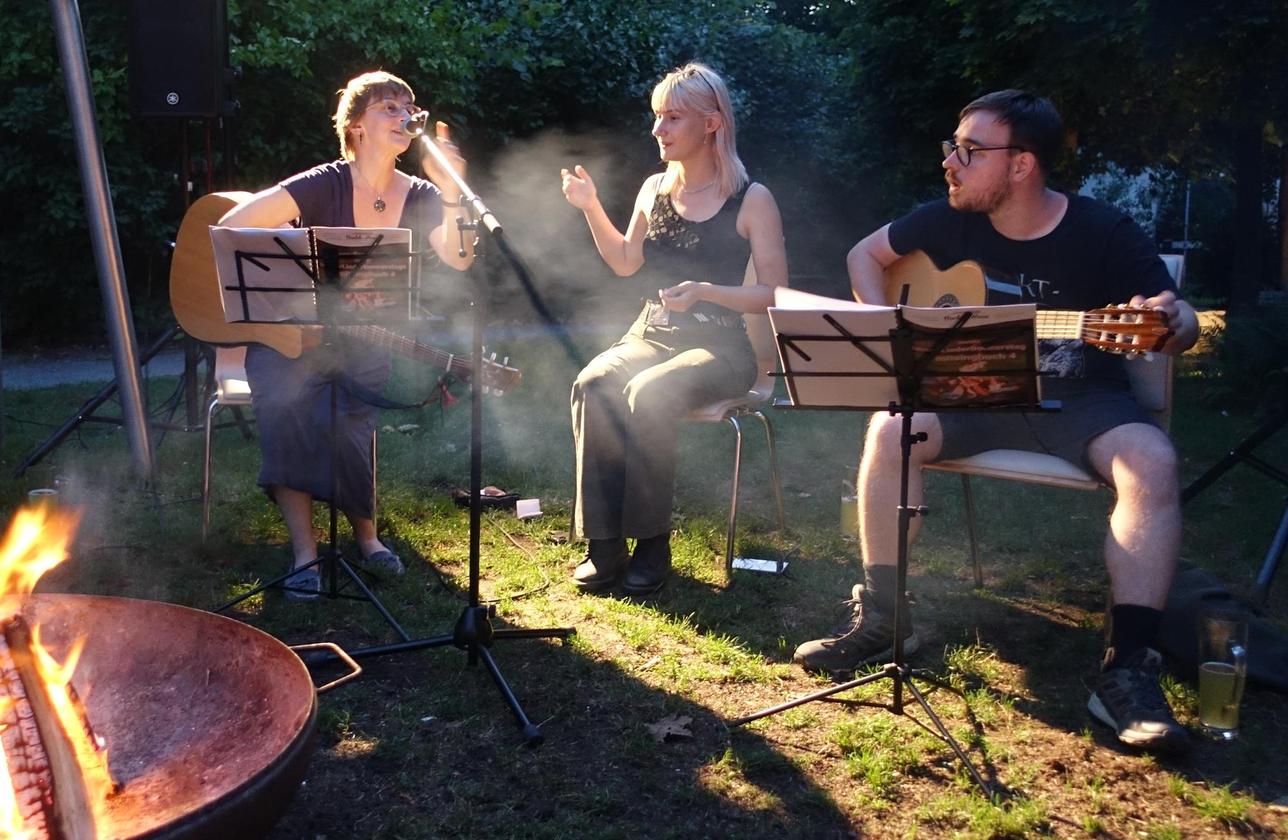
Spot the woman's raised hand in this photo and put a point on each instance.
(579, 187)
(429, 163)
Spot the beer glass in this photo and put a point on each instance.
(1223, 669)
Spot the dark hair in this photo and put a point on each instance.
(1034, 122)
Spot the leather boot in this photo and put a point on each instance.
(650, 565)
(604, 563)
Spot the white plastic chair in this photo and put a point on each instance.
(1151, 383)
(232, 390)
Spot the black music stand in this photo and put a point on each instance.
(473, 631)
(312, 276)
(903, 361)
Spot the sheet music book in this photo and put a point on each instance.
(273, 275)
(839, 354)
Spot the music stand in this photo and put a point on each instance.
(473, 631)
(904, 360)
(333, 278)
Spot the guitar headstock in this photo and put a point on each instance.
(1126, 329)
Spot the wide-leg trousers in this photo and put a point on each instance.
(626, 407)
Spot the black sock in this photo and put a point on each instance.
(882, 582)
(1131, 627)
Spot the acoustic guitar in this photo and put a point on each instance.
(1115, 329)
(198, 306)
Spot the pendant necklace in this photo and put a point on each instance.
(708, 185)
(379, 204)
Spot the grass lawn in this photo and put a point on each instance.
(423, 746)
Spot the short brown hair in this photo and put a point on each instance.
(357, 95)
(1034, 122)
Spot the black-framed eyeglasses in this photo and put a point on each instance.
(949, 147)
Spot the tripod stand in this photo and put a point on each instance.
(473, 631)
(1245, 451)
(914, 358)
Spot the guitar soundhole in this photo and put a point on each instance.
(947, 300)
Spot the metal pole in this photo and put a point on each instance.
(102, 229)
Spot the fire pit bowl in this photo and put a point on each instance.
(208, 722)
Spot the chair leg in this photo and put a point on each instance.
(374, 522)
(733, 499)
(969, 499)
(773, 469)
(205, 472)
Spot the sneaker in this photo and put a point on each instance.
(304, 585)
(382, 564)
(1128, 699)
(865, 636)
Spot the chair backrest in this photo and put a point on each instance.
(1151, 378)
(762, 341)
(230, 373)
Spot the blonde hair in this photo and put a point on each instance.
(696, 87)
(357, 95)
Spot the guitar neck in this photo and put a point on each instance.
(403, 346)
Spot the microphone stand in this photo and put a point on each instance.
(473, 631)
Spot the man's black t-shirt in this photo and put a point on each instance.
(1096, 256)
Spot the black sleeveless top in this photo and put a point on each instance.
(677, 249)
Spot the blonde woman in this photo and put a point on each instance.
(688, 239)
(292, 396)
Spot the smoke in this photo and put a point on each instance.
(576, 305)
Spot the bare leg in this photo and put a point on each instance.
(1144, 539)
(364, 532)
(879, 483)
(297, 512)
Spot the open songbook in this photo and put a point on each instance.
(274, 275)
(843, 354)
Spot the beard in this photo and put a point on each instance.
(984, 200)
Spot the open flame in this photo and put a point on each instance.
(37, 541)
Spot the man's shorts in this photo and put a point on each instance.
(1085, 413)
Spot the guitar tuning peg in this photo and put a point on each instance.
(492, 357)
(505, 362)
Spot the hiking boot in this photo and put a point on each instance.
(604, 563)
(1128, 699)
(650, 565)
(865, 636)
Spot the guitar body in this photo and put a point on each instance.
(960, 285)
(1114, 329)
(199, 307)
(194, 286)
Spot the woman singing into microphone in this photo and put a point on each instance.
(292, 397)
(691, 231)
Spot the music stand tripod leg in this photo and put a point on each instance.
(896, 670)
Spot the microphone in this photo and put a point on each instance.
(414, 126)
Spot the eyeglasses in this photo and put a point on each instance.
(964, 153)
(395, 109)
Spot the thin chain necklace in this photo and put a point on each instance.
(708, 185)
(379, 204)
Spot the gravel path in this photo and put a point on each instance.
(26, 371)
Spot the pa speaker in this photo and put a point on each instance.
(178, 57)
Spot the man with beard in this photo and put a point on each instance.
(1059, 251)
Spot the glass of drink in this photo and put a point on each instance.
(1223, 669)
